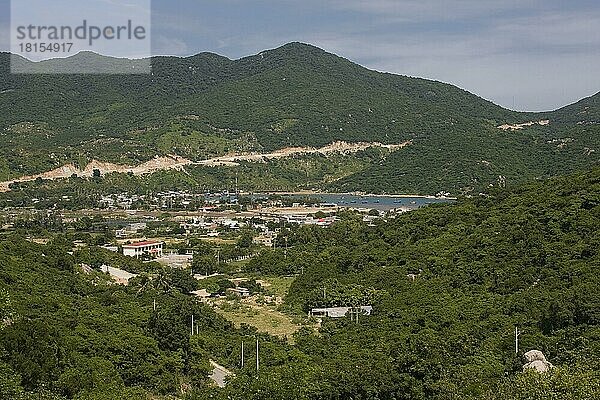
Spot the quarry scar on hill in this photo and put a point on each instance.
(174, 162)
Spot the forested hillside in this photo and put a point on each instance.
(448, 285)
(295, 95)
(525, 258)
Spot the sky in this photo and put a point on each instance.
(528, 55)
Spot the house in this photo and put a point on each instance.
(130, 229)
(339, 312)
(114, 249)
(240, 291)
(263, 240)
(238, 281)
(136, 227)
(148, 248)
(201, 294)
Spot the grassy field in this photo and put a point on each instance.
(277, 285)
(263, 316)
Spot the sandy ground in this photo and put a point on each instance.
(336, 147)
(516, 127)
(119, 276)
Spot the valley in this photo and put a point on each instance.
(292, 225)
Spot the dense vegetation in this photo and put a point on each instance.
(70, 333)
(525, 257)
(208, 105)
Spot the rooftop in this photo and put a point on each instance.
(142, 244)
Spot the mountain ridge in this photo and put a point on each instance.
(299, 46)
(206, 105)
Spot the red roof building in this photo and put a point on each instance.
(146, 248)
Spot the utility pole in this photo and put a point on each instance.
(154, 305)
(242, 354)
(192, 324)
(517, 334)
(257, 355)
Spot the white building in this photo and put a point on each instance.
(339, 312)
(150, 248)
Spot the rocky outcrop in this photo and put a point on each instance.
(535, 359)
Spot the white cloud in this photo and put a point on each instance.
(536, 62)
(542, 53)
(432, 10)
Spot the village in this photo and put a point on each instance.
(207, 245)
(211, 238)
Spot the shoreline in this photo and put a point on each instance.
(355, 194)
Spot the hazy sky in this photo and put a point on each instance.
(521, 54)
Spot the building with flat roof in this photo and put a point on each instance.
(339, 312)
(147, 248)
(239, 291)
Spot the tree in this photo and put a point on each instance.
(33, 350)
(170, 325)
(204, 264)
(245, 239)
(88, 375)
(10, 383)
(183, 280)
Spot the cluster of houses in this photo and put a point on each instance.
(167, 200)
(130, 230)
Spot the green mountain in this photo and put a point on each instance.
(296, 95)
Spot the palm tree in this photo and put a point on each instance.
(145, 283)
(162, 281)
